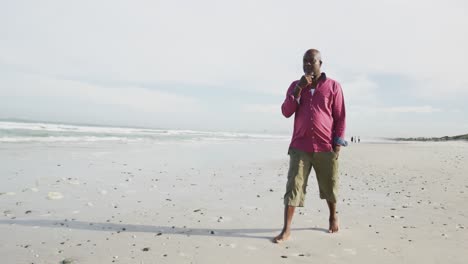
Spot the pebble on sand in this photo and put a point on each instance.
(68, 261)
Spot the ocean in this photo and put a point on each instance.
(15, 131)
(54, 132)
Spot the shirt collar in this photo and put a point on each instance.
(323, 77)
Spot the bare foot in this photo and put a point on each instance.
(334, 225)
(281, 237)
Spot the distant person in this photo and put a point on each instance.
(359, 139)
(319, 129)
(352, 139)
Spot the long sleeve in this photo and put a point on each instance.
(339, 116)
(289, 106)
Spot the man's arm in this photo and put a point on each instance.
(290, 104)
(339, 118)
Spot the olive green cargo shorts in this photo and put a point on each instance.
(325, 166)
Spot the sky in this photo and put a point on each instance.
(226, 65)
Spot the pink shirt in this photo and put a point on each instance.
(319, 122)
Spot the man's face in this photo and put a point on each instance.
(311, 63)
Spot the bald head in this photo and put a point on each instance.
(311, 62)
(314, 53)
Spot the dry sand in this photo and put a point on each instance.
(221, 202)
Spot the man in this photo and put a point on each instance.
(319, 126)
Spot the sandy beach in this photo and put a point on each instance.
(221, 202)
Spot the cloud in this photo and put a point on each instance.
(376, 111)
(131, 97)
(199, 57)
(410, 109)
(163, 41)
(262, 108)
(440, 88)
(360, 90)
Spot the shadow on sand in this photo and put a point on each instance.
(157, 230)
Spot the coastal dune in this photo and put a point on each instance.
(221, 202)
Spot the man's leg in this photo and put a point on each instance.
(333, 219)
(326, 170)
(286, 232)
(298, 174)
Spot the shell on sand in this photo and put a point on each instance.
(33, 189)
(54, 196)
(74, 182)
